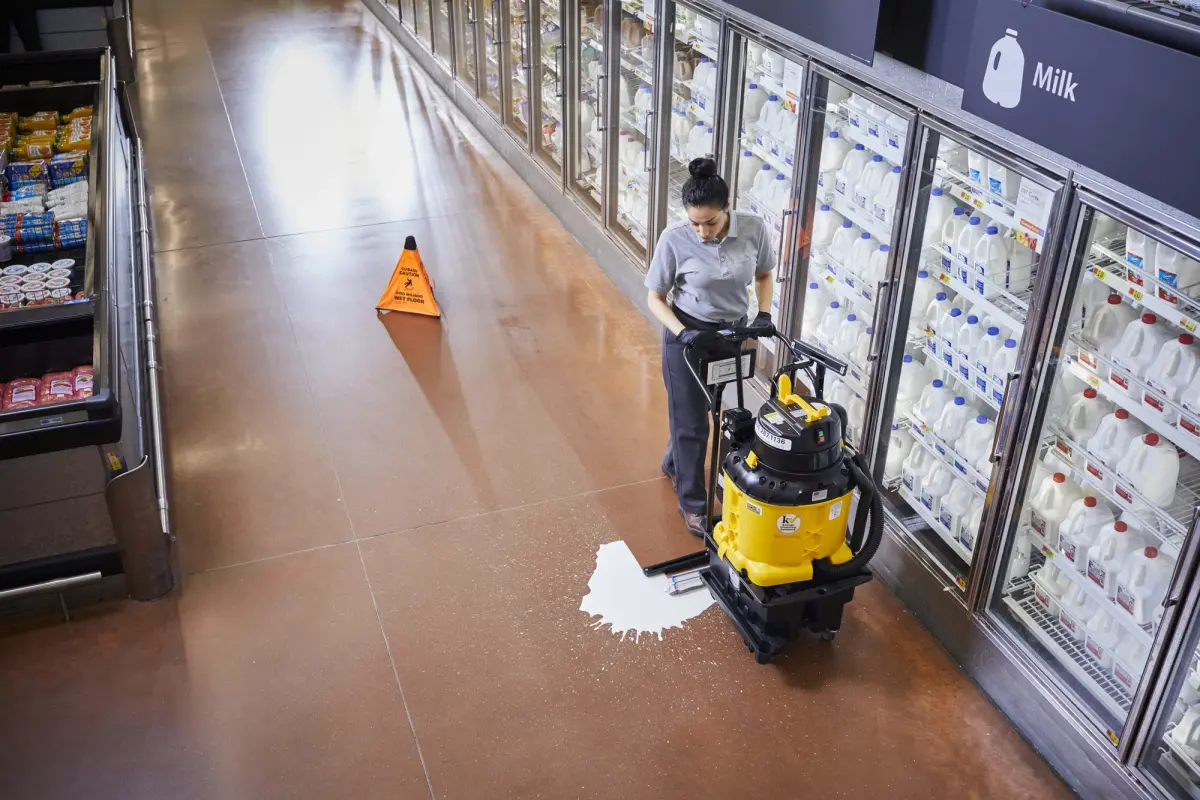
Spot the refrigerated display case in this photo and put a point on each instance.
(634, 152)
(855, 173)
(1110, 484)
(408, 13)
(491, 88)
(590, 107)
(695, 100)
(516, 68)
(550, 87)
(440, 12)
(423, 22)
(763, 179)
(466, 24)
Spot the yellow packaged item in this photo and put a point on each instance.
(28, 151)
(78, 113)
(41, 121)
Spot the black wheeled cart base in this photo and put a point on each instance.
(768, 618)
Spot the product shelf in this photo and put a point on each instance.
(767, 149)
(959, 380)
(1182, 755)
(962, 188)
(835, 278)
(1173, 521)
(1142, 289)
(948, 455)
(1067, 651)
(1009, 309)
(862, 219)
(936, 525)
(699, 44)
(876, 145)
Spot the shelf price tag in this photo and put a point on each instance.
(1099, 273)
(1187, 324)
(1135, 294)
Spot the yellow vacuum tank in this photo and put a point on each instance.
(786, 501)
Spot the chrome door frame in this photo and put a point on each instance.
(468, 10)
(573, 139)
(506, 75)
(499, 15)
(535, 91)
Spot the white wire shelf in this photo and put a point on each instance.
(944, 452)
(1140, 289)
(845, 283)
(1068, 652)
(1184, 757)
(767, 149)
(862, 219)
(936, 525)
(971, 388)
(1009, 308)
(1173, 520)
(878, 145)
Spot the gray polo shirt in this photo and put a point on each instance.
(711, 280)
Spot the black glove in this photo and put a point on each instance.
(695, 338)
(763, 320)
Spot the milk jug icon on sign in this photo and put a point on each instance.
(1005, 71)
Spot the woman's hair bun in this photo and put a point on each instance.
(702, 168)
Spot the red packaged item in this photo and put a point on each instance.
(84, 377)
(57, 387)
(21, 393)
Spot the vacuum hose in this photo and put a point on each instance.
(872, 498)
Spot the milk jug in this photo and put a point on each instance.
(862, 348)
(1050, 505)
(1018, 567)
(1080, 530)
(696, 141)
(1103, 636)
(940, 208)
(869, 182)
(753, 102)
(899, 448)
(748, 168)
(1114, 545)
(847, 335)
(991, 263)
(1005, 71)
(701, 73)
(856, 415)
(1001, 183)
(963, 250)
(895, 132)
(781, 192)
(1152, 467)
(847, 177)
(1129, 660)
(948, 327)
(1178, 275)
(951, 423)
(860, 254)
(1171, 373)
(936, 488)
(916, 464)
(1107, 325)
(843, 240)
(1191, 401)
(884, 206)
(762, 180)
(1186, 733)
(951, 230)
(1111, 442)
(785, 131)
(833, 154)
(766, 116)
(955, 509)
(968, 532)
(1143, 583)
(1137, 349)
(1074, 611)
(1083, 418)
(1050, 586)
(970, 333)
(934, 311)
(839, 393)
(976, 441)
(876, 270)
(831, 323)
(912, 379)
(815, 303)
(1139, 254)
(985, 354)
(924, 291)
(825, 224)
(934, 399)
(976, 167)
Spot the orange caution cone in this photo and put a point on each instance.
(410, 288)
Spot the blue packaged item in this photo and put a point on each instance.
(68, 168)
(72, 233)
(28, 191)
(21, 172)
(28, 228)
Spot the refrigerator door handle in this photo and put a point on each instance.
(646, 162)
(882, 289)
(558, 71)
(996, 453)
(1176, 592)
(601, 126)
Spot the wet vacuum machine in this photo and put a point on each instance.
(792, 541)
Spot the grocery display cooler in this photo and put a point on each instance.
(85, 490)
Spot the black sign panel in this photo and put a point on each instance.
(1120, 105)
(847, 26)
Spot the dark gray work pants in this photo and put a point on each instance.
(689, 414)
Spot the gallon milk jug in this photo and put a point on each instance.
(843, 240)
(1171, 373)
(1191, 401)
(781, 192)
(749, 165)
(831, 323)
(847, 177)
(884, 205)
(785, 131)
(968, 532)
(1005, 71)
(815, 303)
(976, 168)
(1108, 324)
(825, 223)
(938, 307)
(951, 230)
(969, 335)
(753, 102)
(976, 443)
(912, 379)
(1142, 584)
(862, 348)
(766, 116)
(1051, 584)
(1178, 275)
(762, 181)
(948, 327)
(1081, 529)
(985, 354)
(899, 448)
(1083, 418)
(1139, 253)
(1002, 184)
(952, 422)
(856, 415)
(1112, 440)
(876, 271)
(1129, 660)
(1138, 347)
(936, 488)
(991, 257)
(847, 335)
(833, 155)
(695, 145)
(1186, 733)
(956, 507)
(869, 182)
(1152, 467)
(1074, 611)
(964, 273)
(924, 292)
(860, 254)
(1051, 504)
(933, 401)
(1114, 545)
(940, 208)
(895, 132)
(912, 474)
(1103, 636)
(839, 393)
(1018, 567)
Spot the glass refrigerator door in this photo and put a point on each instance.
(517, 67)
(587, 179)
(467, 21)
(634, 149)
(493, 43)
(764, 176)
(1111, 475)
(695, 106)
(972, 264)
(550, 76)
(424, 22)
(441, 32)
(854, 207)
(408, 13)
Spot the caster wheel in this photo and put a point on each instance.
(762, 658)
(827, 636)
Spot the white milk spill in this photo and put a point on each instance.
(624, 598)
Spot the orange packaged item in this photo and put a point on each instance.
(21, 393)
(84, 378)
(41, 121)
(82, 111)
(57, 387)
(29, 151)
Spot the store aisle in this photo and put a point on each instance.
(387, 526)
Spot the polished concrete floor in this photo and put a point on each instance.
(387, 526)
